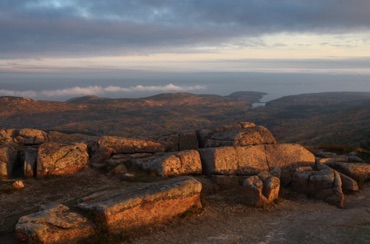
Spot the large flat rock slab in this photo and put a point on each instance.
(171, 164)
(358, 171)
(143, 204)
(130, 145)
(53, 224)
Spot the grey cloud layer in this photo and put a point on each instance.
(93, 27)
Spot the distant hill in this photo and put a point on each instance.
(86, 99)
(320, 118)
(249, 96)
(125, 117)
(311, 119)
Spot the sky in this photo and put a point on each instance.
(69, 39)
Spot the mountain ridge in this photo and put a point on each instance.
(316, 118)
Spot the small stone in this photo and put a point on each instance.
(303, 169)
(119, 170)
(130, 177)
(18, 185)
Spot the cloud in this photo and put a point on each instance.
(45, 28)
(166, 88)
(99, 90)
(18, 93)
(74, 91)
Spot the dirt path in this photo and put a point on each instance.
(297, 220)
(294, 220)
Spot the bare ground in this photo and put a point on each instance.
(295, 219)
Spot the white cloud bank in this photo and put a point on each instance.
(99, 90)
(18, 93)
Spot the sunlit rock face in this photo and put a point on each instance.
(8, 160)
(358, 171)
(288, 157)
(237, 135)
(254, 159)
(31, 137)
(260, 190)
(130, 145)
(61, 159)
(53, 224)
(171, 164)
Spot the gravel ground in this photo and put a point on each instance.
(295, 219)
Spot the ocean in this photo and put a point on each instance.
(133, 84)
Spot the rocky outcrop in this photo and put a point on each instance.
(100, 156)
(55, 136)
(288, 157)
(236, 136)
(341, 158)
(6, 136)
(220, 160)
(8, 160)
(251, 160)
(186, 140)
(130, 145)
(255, 159)
(323, 184)
(60, 159)
(24, 136)
(169, 141)
(53, 224)
(260, 190)
(141, 205)
(358, 171)
(234, 160)
(31, 137)
(171, 164)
